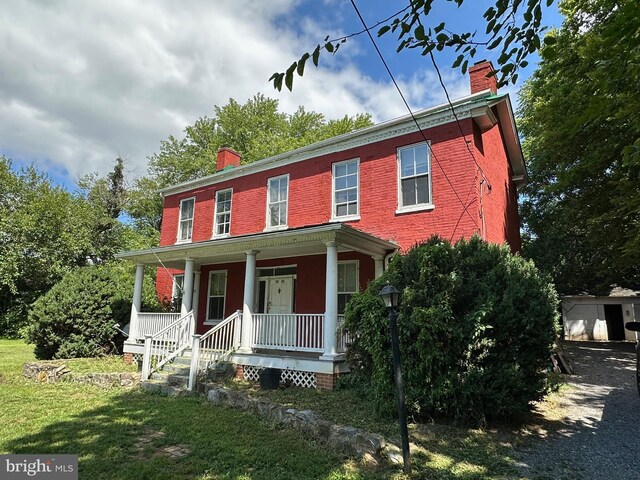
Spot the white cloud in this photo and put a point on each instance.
(84, 82)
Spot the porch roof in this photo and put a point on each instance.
(292, 242)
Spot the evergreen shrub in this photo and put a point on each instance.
(476, 326)
(76, 317)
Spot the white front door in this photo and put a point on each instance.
(280, 298)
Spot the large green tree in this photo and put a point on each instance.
(44, 233)
(580, 116)
(256, 129)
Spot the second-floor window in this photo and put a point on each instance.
(277, 201)
(414, 169)
(185, 223)
(222, 221)
(345, 189)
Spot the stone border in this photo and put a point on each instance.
(363, 443)
(45, 372)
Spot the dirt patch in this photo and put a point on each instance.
(150, 444)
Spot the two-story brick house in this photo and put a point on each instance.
(268, 253)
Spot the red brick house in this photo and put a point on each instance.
(270, 252)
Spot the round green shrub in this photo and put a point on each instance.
(76, 317)
(476, 327)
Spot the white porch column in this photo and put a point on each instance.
(136, 305)
(247, 304)
(187, 295)
(196, 294)
(379, 265)
(331, 303)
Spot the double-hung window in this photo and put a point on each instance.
(415, 177)
(347, 283)
(277, 201)
(185, 223)
(177, 292)
(222, 216)
(216, 296)
(345, 189)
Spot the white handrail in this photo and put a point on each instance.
(167, 344)
(216, 344)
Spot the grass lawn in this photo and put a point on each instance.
(105, 428)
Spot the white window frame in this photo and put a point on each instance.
(270, 227)
(216, 213)
(348, 217)
(174, 288)
(180, 220)
(215, 321)
(357, 264)
(418, 206)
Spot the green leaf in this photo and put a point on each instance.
(301, 63)
(419, 33)
(316, 56)
(384, 29)
(329, 47)
(550, 40)
(457, 61)
(495, 43)
(288, 79)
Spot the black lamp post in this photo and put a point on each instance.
(391, 296)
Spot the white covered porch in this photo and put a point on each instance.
(285, 339)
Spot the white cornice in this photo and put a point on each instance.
(466, 107)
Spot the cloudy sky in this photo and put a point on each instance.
(82, 82)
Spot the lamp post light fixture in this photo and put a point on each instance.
(390, 295)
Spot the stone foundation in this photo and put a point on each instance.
(128, 358)
(52, 372)
(240, 372)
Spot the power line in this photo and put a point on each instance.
(465, 208)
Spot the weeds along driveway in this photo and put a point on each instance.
(599, 436)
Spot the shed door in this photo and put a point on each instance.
(615, 322)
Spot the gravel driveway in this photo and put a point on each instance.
(600, 436)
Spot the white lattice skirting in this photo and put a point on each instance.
(294, 377)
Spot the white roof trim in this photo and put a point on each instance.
(466, 107)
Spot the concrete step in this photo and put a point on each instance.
(177, 368)
(183, 360)
(170, 378)
(154, 386)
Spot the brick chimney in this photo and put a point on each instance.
(227, 157)
(479, 80)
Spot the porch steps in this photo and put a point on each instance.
(172, 380)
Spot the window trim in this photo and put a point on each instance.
(357, 263)
(215, 214)
(215, 321)
(174, 284)
(178, 240)
(344, 218)
(418, 207)
(269, 228)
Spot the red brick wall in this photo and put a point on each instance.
(500, 207)
(310, 193)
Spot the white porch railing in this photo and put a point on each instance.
(215, 345)
(296, 332)
(168, 343)
(152, 323)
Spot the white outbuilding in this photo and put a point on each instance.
(587, 317)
